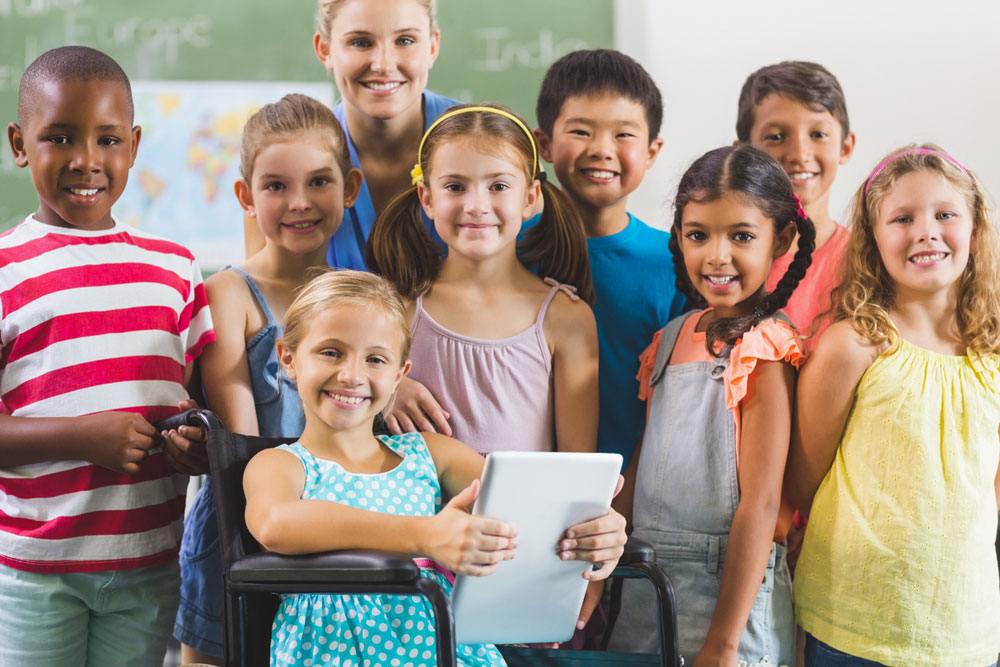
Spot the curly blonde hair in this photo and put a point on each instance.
(866, 293)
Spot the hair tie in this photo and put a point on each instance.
(542, 176)
(915, 151)
(798, 204)
(417, 174)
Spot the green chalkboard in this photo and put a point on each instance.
(490, 50)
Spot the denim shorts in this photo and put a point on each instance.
(199, 617)
(114, 617)
(819, 654)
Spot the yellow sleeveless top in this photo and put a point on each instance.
(898, 563)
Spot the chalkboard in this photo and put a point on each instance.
(495, 51)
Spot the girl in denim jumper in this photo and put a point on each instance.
(705, 484)
(297, 179)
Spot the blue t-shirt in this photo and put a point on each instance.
(636, 295)
(347, 247)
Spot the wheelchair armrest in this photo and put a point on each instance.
(637, 551)
(354, 566)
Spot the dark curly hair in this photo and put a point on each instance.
(754, 174)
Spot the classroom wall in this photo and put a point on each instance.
(912, 71)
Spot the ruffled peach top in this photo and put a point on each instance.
(771, 340)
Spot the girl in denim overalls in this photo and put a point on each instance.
(296, 180)
(706, 479)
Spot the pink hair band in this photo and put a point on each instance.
(915, 151)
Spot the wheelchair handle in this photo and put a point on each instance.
(195, 417)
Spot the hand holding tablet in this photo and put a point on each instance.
(536, 597)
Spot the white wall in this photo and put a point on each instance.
(923, 70)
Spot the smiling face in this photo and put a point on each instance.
(728, 246)
(807, 144)
(600, 148)
(79, 144)
(347, 366)
(298, 194)
(477, 197)
(923, 231)
(380, 52)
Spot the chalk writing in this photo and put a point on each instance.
(503, 54)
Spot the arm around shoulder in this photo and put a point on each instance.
(824, 398)
(571, 332)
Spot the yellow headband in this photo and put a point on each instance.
(417, 174)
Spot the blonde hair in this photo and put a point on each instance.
(292, 116)
(326, 11)
(867, 292)
(357, 288)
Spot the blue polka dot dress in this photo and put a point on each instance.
(369, 630)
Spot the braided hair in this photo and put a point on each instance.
(754, 174)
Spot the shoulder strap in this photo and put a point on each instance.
(568, 290)
(256, 293)
(668, 339)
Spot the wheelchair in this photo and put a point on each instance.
(253, 578)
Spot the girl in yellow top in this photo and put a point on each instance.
(895, 446)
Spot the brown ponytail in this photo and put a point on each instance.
(400, 249)
(557, 246)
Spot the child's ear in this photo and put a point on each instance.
(654, 149)
(544, 144)
(16, 139)
(322, 50)
(352, 187)
(531, 199)
(424, 195)
(287, 358)
(136, 136)
(847, 148)
(783, 241)
(404, 370)
(245, 196)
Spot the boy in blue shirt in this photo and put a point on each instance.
(599, 115)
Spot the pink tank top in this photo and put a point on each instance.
(499, 392)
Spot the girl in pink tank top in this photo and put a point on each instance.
(512, 358)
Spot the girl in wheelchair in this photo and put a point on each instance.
(346, 343)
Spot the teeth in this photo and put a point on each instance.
(86, 192)
(599, 173)
(301, 225)
(720, 280)
(352, 400)
(924, 259)
(381, 86)
(801, 175)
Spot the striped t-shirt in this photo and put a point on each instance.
(94, 321)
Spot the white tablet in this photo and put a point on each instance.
(535, 597)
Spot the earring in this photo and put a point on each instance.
(252, 212)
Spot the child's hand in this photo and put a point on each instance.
(599, 541)
(185, 446)
(118, 441)
(468, 544)
(592, 598)
(416, 409)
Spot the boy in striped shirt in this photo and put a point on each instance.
(99, 326)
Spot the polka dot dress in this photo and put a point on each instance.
(369, 630)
